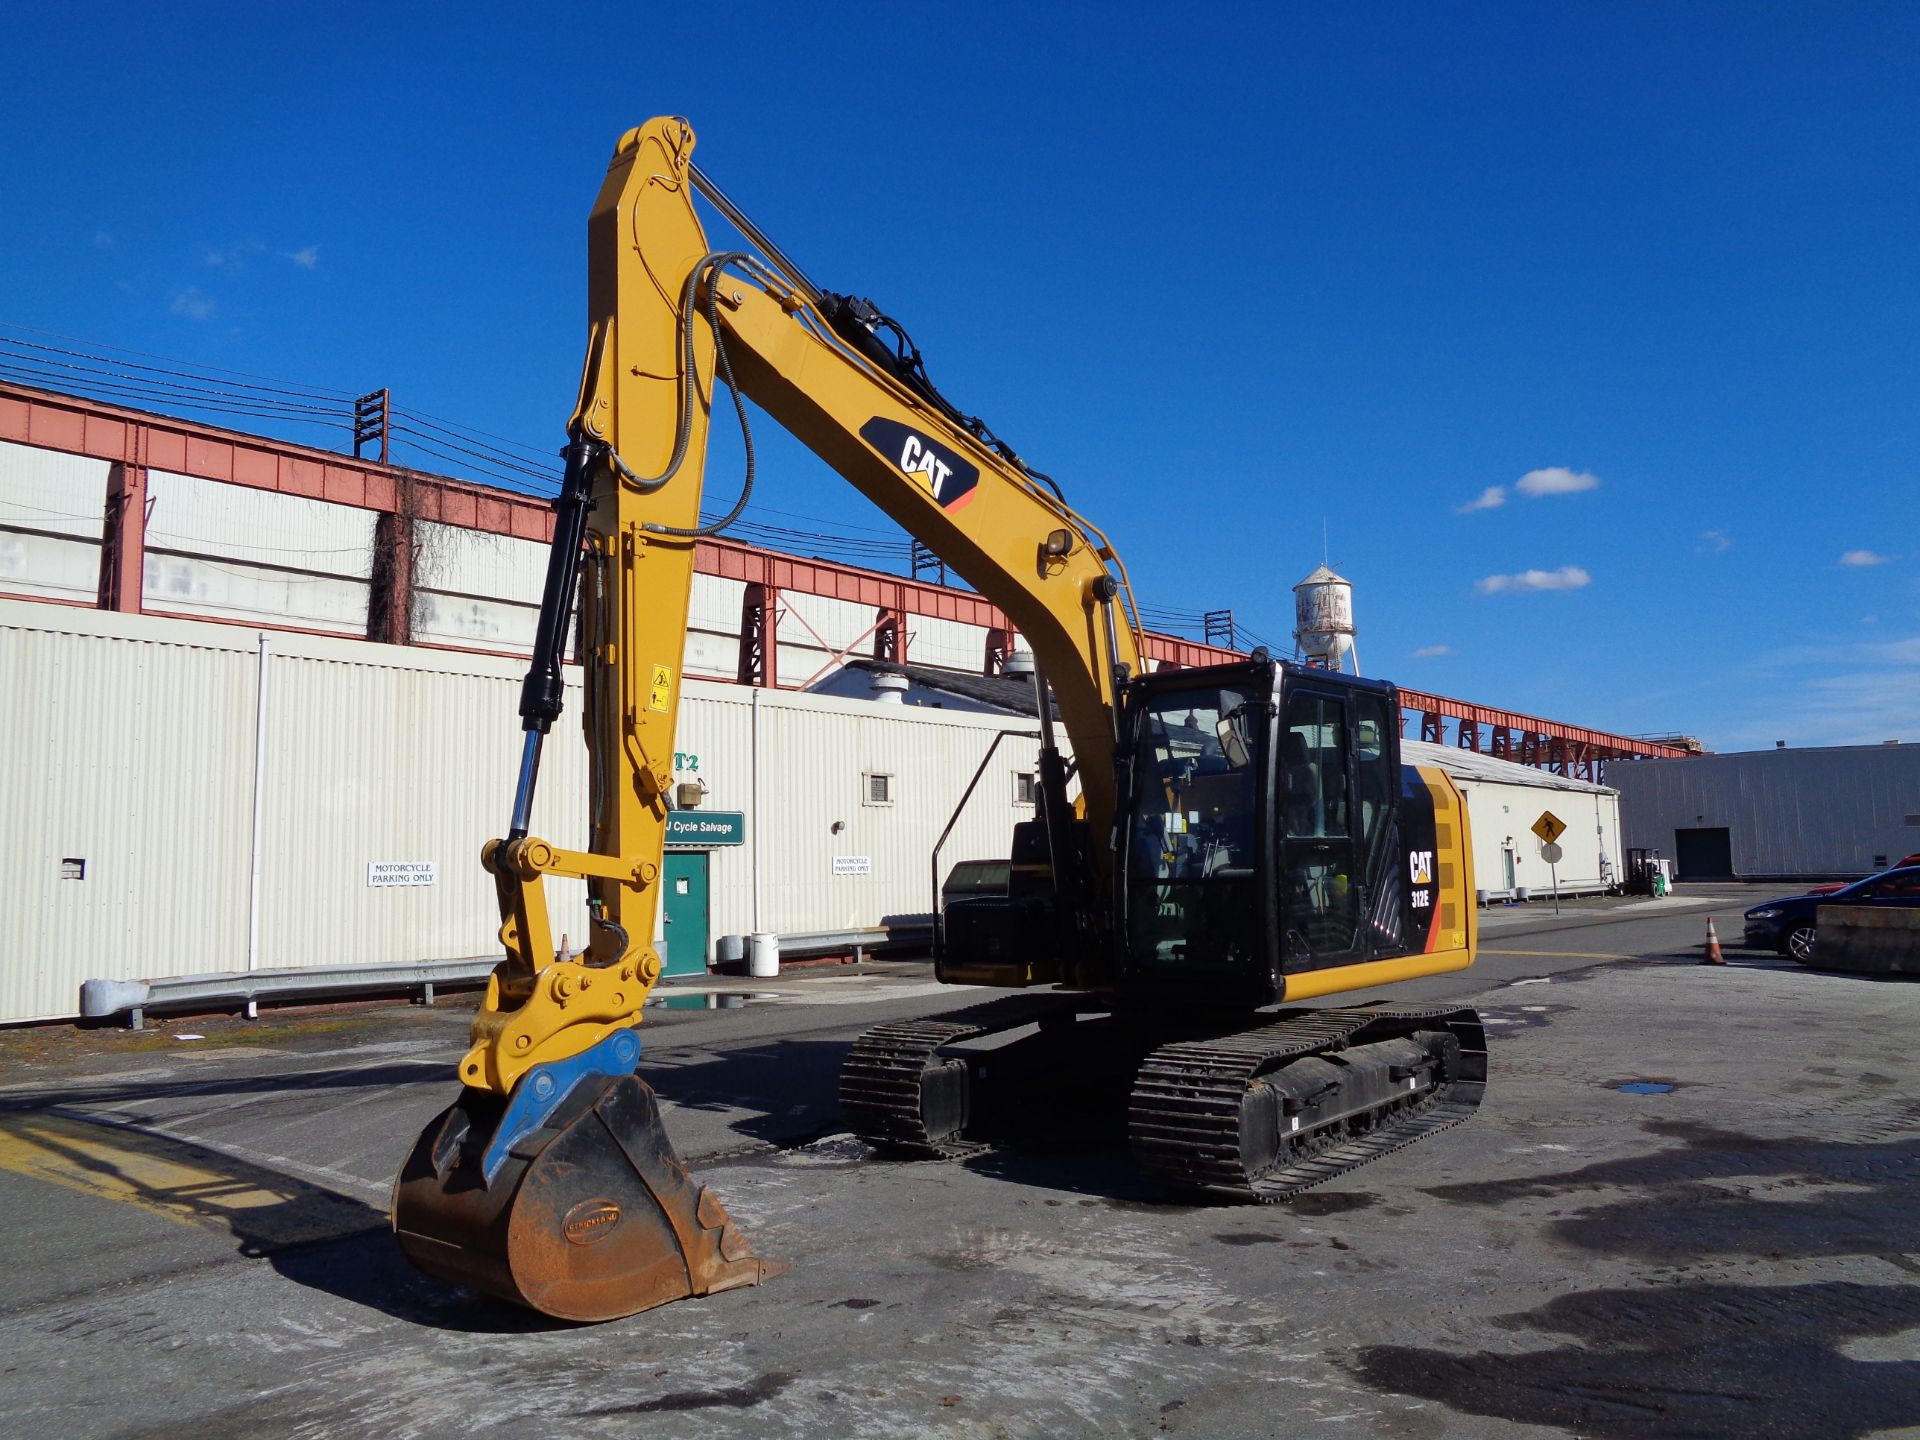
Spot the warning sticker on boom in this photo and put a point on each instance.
(660, 692)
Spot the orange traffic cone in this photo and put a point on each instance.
(1713, 955)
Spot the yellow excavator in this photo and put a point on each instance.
(1244, 837)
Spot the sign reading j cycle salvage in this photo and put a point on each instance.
(700, 829)
(383, 873)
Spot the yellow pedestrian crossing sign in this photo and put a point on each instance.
(1549, 827)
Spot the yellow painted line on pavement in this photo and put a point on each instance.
(1558, 954)
(184, 1183)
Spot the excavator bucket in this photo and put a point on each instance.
(570, 1201)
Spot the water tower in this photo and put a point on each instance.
(1323, 620)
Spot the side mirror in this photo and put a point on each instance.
(1231, 744)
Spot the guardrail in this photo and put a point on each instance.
(857, 942)
(109, 999)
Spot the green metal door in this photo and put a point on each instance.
(687, 920)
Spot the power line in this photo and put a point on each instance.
(455, 428)
(501, 462)
(317, 393)
(490, 457)
(130, 390)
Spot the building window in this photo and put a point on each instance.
(1023, 789)
(876, 789)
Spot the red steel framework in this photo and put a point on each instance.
(134, 443)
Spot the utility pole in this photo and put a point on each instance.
(926, 562)
(372, 422)
(1220, 629)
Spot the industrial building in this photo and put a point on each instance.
(264, 709)
(1825, 813)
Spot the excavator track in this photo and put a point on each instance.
(1206, 1115)
(892, 1084)
(899, 1094)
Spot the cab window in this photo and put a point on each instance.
(1319, 895)
(1375, 777)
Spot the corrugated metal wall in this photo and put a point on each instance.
(50, 522)
(818, 753)
(477, 590)
(133, 749)
(245, 554)
(134, 758)
(1804, 813)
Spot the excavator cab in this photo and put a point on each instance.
(1271, 832)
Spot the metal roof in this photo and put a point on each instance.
(1472, 765)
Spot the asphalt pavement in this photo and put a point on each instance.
(1687, 1208)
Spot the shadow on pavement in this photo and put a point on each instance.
(1708, 1356)
(314, 1236)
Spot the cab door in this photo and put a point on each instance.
(1318, 872)
(1386, 866)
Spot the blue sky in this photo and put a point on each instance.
(1645, 276)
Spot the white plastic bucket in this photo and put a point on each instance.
(763, 954)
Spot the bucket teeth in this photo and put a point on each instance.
(591, 1217)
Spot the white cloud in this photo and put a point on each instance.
(306, 259)
(102, 240)
(1491, 498)
(1715, 542)
(1428, 652)
(1892, 652)
(1567, 577)
(193, 303)
(1864, 557)
(1555, 480)
(1859, 694)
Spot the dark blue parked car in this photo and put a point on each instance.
(1788, 925)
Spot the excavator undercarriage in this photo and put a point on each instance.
(1225, 1111)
